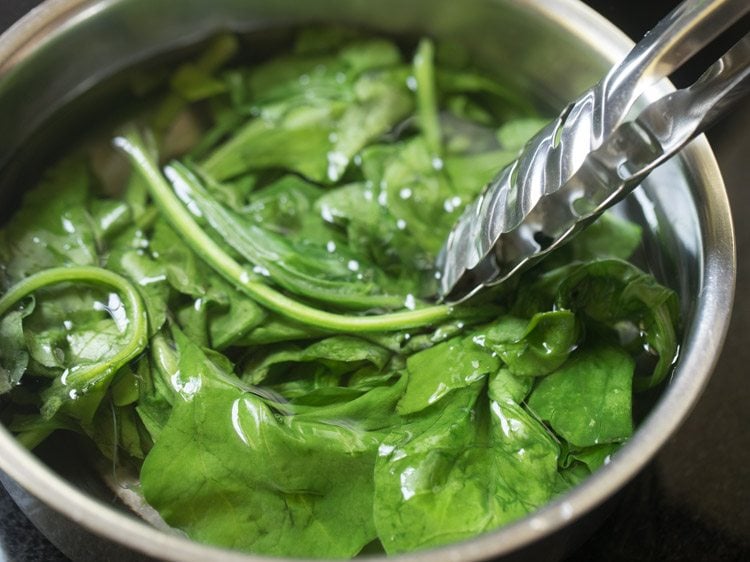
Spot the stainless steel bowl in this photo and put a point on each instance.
(549, 49)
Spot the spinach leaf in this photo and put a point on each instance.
(613, 292)
(336, 355)
(504, 384)
(460, 468)
(295, 138)
(439, 370)
(298, 488)
(156, 392)
(362, 408)
(416, 190)
(115, 430)
(592, 457)
(212, 310)
(535, 347)
(317, 113)
(374, 235)
(193, 81)
(495, 97)
(608, 237)
(276, 329)
(14, 357)
(309, 270)
(284, 206)
(588, 400)
(52, 228)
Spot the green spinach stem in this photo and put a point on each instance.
(138, 322)
(215, 256)
(427, 106)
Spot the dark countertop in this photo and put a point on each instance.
(692, 502)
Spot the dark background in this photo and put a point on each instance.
(692, 502)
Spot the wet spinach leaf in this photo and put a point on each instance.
(588, 401)
(225, 459)
(460, 468)
(535, 347)
(437, 371)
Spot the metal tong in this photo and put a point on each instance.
(597, 151)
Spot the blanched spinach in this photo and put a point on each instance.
(250, 324)
(465, 466)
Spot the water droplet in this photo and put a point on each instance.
(450, 205)
(405, 193)
(68, 226)
(411, 83)
(188, 387)
(144, 281)
(337, 162)
(353, 265)
(236, 424)
(325, 212)
(260, 270)
(401, 224)
(115, 309)
(183, 190)
(409, 478)
(410, 302)
(437, 163)
(331, 246)
(383, 198)
(385, 450)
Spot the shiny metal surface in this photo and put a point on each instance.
(555, 48)
(596, 151)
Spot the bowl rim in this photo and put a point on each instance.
(718, 274)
